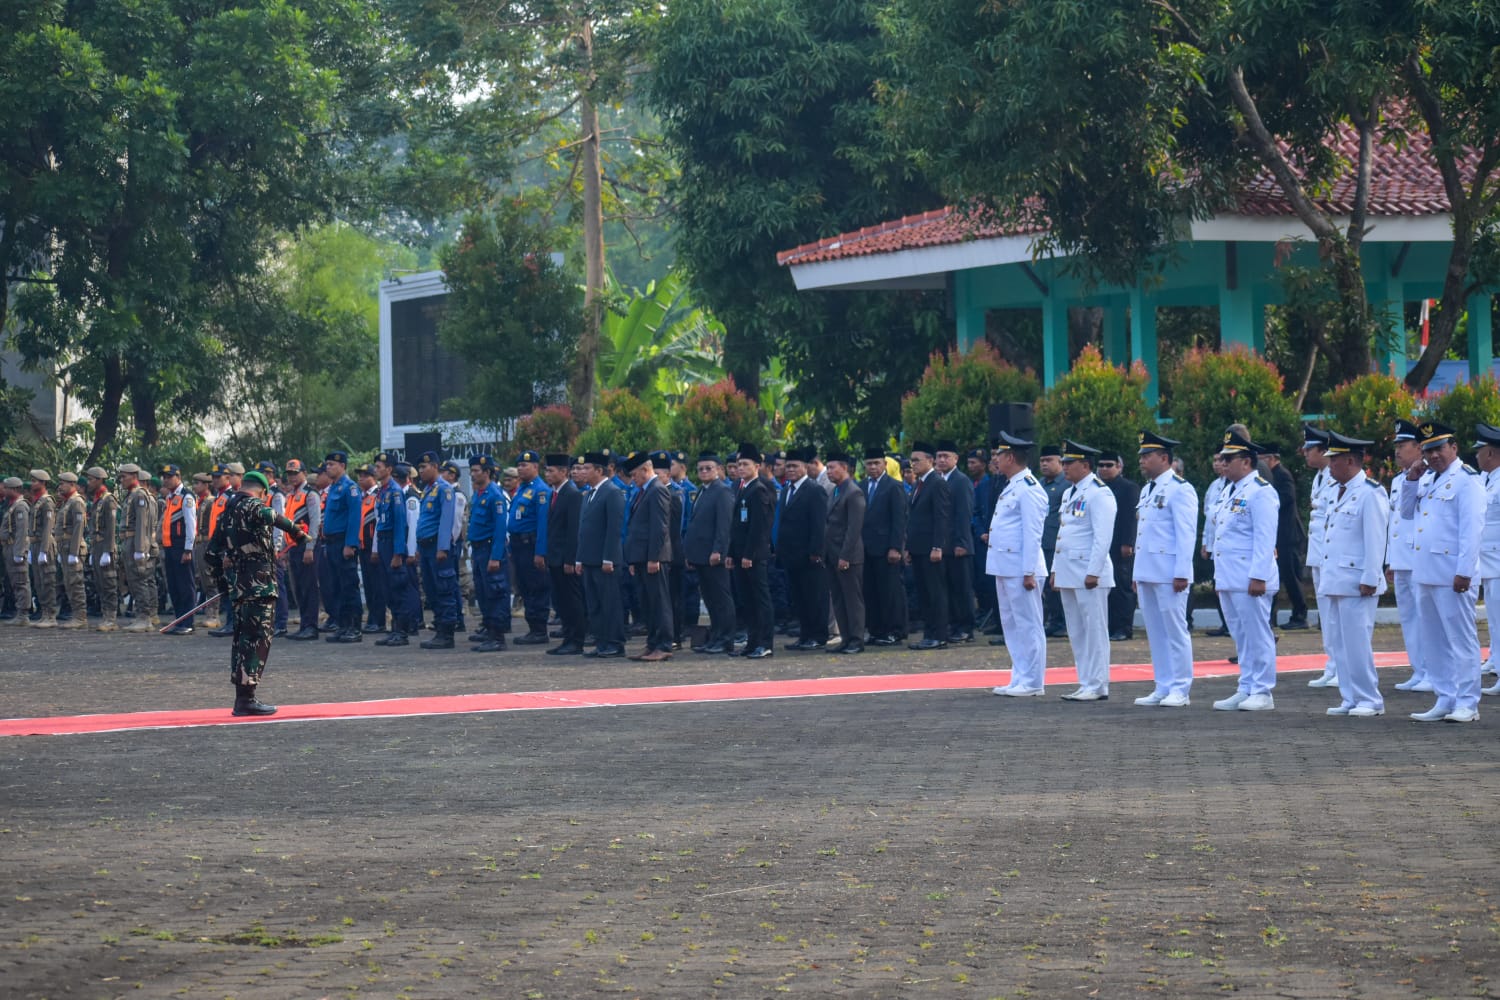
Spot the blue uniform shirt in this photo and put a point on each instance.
(630, 492)
(435, 518)
(343, 512)
(689, 497)
(390, 514)
(776, 512)
(486, 514)
(528, 512)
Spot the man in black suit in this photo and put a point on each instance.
(799, 549)
(958, 559)
(844, 552)
(661, 463)
(707, 548)
(599, 558)
(750, 553)
(929, 540)
(648, 550)
(1291, 536)
(562, 552)
(884, 538)
(1111, 469)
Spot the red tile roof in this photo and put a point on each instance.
(1403, 182)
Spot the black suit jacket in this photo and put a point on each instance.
(599, 519)
(562, 525)
(846, 520)
(1291, 534)
(929, 525)
(648, 538)
(961, 516)
(750, 524)
(1127, 495)
(708, 528)
(885, 518)
(804, 520)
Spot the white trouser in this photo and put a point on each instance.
(1087, 615)
(1348, 625)
(1489, 617)
(1165, 612)
(1411, 623)
(1249, 621)
(1452, 639)
(1021, 620)
(1330, 648)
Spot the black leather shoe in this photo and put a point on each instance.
(961, 637)
(556, 633)
(491, 645)
(924, 644)
(636, 631)
(851, 648)
(805, 645)
(394, 639)
(347, 635)
(1295, 625)
(532, 639)
(566, 649)
(480, 634)
(279, 634)
(882, 640)
(181, 630)
(371, 628)
(712, 649)
(999, 640)
(605, 653)
(328, 627)
(1218, 633)
(443, 640)
(305, 634)
(247, 705)
(1119, 637)
(759, 653)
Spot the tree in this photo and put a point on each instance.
(1098, 404)
(660, 343)
(715, 418)
(769, 107)
(1210, 391)
(622, 424)
(954, 396)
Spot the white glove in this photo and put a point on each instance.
(72, 560)
(29, 554)
(138, 556)
(104, 559)
(41, 557)
(20, 559)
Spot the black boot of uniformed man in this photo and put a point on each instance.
(396, 638)
(349, 630)
(245, 703)
(443, 639)
(494, 640)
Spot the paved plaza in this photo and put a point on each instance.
(918, 843)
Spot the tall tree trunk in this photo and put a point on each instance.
(107, 423)
(582, 388)
(143, 406)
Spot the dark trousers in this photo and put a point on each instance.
(491, 589)
(692, 596)
(848, 590)
(656, 604)
(440, 582)
(1289, 566)
(304, 579)
(983, 590)
(960, 574)
(675, 585)
(400, 589)
(179, 583)
(601, 601)
(340, 583)
(1122, 598)
(885, 597)
(567, 597)
(534, 585)
(756, 612)
(781, 594)
(807, 585)
(713, 582)
(376, 596)
(283, 598)
(932, 585)
(1052, 610)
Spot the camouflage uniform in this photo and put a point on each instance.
(242, 556)
(72, 553)
(104, 520)
(15, 531)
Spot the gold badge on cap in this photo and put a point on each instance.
(1427, 430)
(1228, 437)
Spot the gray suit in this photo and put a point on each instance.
(648, 539)
(843, 541)
(599, 522)
(708, 533)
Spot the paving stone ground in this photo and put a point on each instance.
(945, 844)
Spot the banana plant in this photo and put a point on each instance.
(660, 344)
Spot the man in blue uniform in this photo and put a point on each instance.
(435, 551)
(528, 546)
(386, 557)
(340, 539)
(487, 548)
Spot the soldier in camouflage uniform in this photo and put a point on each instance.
(72, 551)
(242, 555)
(15, 548)
(138, 546)
(104, 520)
(43, 549)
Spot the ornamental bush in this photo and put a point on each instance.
(955, 393)
(1464, 405)
(1367, 408)
(549, 429)
(622, 423)
(715, 418)
(1210, 391)
(1097, 404)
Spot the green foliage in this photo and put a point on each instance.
(1466, 404)
(1212, 390)
(549, 429)
(715, 418)
(622, 423)
(511, 311)
(659, 344)
(1098, 404)
(954, 396)
(1368, 408)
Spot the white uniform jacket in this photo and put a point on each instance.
(1083, 535)
(1015, 547)
(1323, 489)
(1245, 535)
(1211, 497)
(1354, 538)
(1489, 545)
(1448, 515)
(1166, 526)
(1398, 555)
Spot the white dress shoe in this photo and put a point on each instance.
(1258, 703)
(1434, 714)
(1407, 684)
(1150, 700)
(1231, 703)
(1339, 710)
(1327, 680)
(1487, 667)
(1086, 694)
(1365, 712)
(1423, 687)
(1002, 690)
(1020, 692)
(1492, 689)
(1462, 715)
(1175, 701)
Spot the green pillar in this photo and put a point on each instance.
(1116, 333)
(1055, 358)
(1480, 353)
(1388, 301)
(969, 316)
(1143, 339)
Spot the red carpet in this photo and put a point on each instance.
(524, 701)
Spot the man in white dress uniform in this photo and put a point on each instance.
(1165, 532)
(1245, 575)
(1082, 573)
(1015, 560)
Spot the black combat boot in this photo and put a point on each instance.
(442, 640)
(396, 638)
(480, 634)
(245, 703)
(494, 641)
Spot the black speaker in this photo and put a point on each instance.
(1016, 419)
(422, 441)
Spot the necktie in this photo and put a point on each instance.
(1150, 487)
(1341, 492)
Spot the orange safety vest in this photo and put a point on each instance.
(296, 502)
(367, 520)
(171, 521)
(214, 510)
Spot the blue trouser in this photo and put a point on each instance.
(179, 583)
(440, 581)
(340, 583)
(492, 589)
(400, 585)
(373, 571)
(535, 585)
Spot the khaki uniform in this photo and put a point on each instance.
(44, 559)
(138, 549)
(15, 536)
(201, 573)
(69, 540)
(104, 556)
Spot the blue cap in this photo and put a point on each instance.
(484, 462)
(341, 457)
(528, 455)
(429, 457)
